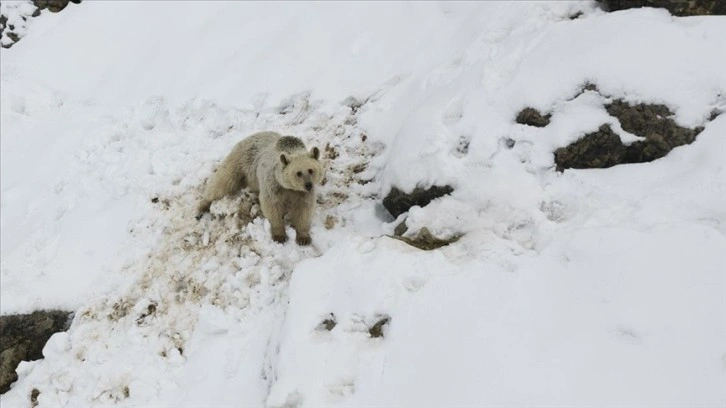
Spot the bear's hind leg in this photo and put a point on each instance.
(224, 182)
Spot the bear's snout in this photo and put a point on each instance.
(308, 186)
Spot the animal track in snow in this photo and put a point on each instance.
(344, 388)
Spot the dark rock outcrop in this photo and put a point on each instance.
(595, 150)
(653, 122)
(14, 34)
(400, 229)
(22, 338)
(376, 330)
(53, 6)
(681, 8)
(603, 148)
(397, 202)
(328, 324)
(532, 117)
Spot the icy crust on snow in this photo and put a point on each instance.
(601, 287)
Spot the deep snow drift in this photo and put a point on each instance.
(589, 287)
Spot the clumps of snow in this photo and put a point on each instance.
(14, 16)
(201, 277)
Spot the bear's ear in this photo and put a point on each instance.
(285, 161)
(315, 153)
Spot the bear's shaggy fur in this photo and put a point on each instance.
(281, 170)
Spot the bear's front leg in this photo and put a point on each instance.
(301, 218)
(274, 212)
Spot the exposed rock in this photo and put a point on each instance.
(590, 87)
(400, 229)
(34, 394)
(11, 34)
(397, 202)
(679, 8)
(426, 241)
(532, 117)
(587, 86)
(22, 338)
(595, 150)
(650, 121)
(377, 329)
(603, 148)
(653, 122)
(714, 114)
(53, 6)
(328, 324)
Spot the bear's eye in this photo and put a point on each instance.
(299, 173)
(310, 171)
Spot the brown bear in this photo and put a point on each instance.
(284, 173)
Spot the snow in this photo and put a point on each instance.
(17, 14)
(590, 287)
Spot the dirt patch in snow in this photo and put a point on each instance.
(424, 239)
(225, 263)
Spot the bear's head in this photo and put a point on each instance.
(301, 172)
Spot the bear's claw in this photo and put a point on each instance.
(303, 241)
(281, 239)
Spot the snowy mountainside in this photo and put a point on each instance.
(598, 287)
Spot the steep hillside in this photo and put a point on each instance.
(550, 285)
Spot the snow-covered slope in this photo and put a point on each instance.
(589, 287)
